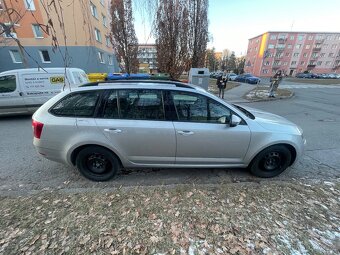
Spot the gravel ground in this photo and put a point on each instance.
(296, 217)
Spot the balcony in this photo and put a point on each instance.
(311, 65)
(282, 40)
(317, 49)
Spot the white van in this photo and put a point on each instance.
(24, 90)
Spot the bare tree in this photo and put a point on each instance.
(171, 32)
(124, 38)
(198, 31)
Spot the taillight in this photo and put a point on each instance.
(37, 128)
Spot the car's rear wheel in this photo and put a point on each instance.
(271, 162)
(97, 163)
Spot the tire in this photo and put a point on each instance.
(97, 163)
(271, 162)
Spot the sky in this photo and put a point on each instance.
(233, 22)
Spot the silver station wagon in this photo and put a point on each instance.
(102, 127)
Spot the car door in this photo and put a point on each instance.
(11, 97)
(203, 137)
(134, 122)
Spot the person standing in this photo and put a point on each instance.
(275, 81)
(220, 85)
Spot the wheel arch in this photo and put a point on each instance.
(290, 147)
(75, 152)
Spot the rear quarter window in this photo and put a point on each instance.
(79, 104)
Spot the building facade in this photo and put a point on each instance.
(293, 52)
(147, 58)
(87, 30)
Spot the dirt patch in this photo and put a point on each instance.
(266, 218)
(262, 93)
(315, 81)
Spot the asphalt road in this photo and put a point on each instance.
(316, 110)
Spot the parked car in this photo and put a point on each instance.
(307, 75)
(102, 127)
(22, 91)
(248, 78)
(232, 76)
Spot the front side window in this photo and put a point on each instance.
(141, 104)
(7, 83)
(77, 105)
(197, 108)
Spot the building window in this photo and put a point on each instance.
(267, 63)
(322, 55)
(325, 46)
(337, 37)
(93, 10)
(98, 35)
(304, 55)
(328, 63)
(314, 55)
(16, 57)
(287, 54)
(302, 63)
(276, 63)
(289, 46)
(334, 46)
(296, 54)
(319, 63)
(281, 37)
(307, 46)
(270, 46)
(292, 37)
(310, 37)
(273, 37)
(285, 63)
(29, 4)
(37, 31)
(300, 37)
(312, 62)
(280, 46)
(101, 57)
(319, 37)
(1, 6)
(102, 2)
(110, 60)
(331, 55)
(328, 37)
(107, 40)
(265, 71)
(104, 20)
(293, 63)
(298, 46)
(45, 57)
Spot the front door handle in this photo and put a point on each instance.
(112, 130)
(185, 132)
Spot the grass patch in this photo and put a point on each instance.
(271, 218)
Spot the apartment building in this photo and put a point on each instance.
(147, 58)
(87, 29)
(293, 52)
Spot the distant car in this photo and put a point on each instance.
(307, 75)
(248, 78)
(232, 76)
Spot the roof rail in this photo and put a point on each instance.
(171, 82)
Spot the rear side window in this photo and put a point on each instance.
(77, 105)
(7, 83)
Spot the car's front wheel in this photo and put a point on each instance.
(97, 163)
(271, 162)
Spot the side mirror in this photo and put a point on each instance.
(234, 120)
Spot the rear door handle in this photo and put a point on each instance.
(185, 132)
(112, 130)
